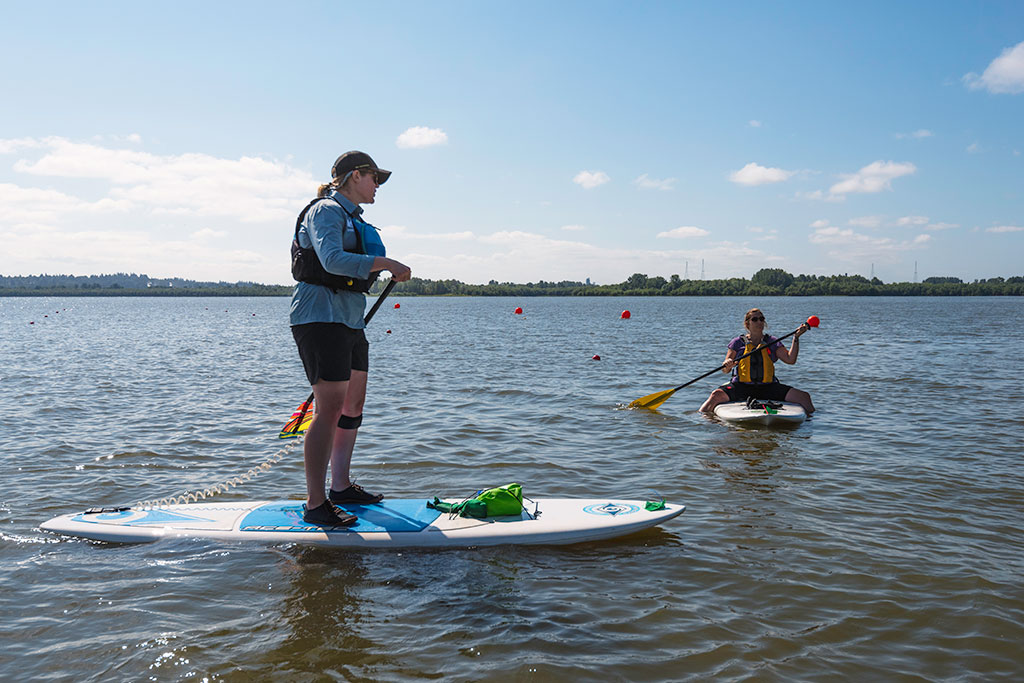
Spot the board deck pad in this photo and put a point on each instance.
(391, 516)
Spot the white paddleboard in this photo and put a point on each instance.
(391, 524)
(787, 414)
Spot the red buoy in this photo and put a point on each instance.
(595, 357)
(389, 331)
(519, 310)
(813, 321)
(398, 305)
(625, 315)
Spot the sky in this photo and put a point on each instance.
(528, 140)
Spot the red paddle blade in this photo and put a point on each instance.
(299, 421)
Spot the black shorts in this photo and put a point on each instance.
(331, 351)
(741, 391)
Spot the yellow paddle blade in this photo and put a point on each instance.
(652, 401)
(294, 427)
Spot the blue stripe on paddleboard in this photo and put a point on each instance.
(389, 516)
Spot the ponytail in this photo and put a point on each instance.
(335, 184)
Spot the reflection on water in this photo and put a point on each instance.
(324, 615)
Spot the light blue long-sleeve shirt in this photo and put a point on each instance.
(328, 229)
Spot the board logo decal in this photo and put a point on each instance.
(140, 517)
(611, 509)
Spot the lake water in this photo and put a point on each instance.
(880, 540)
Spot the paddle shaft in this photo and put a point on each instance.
(373, 309)
(759, 348)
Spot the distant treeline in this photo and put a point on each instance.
(129, 284)
(765, 282)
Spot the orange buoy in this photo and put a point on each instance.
(595, 357)
(519, 310)
(398, 305)
(625, 315)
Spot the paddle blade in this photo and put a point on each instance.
(652, 401)
(299, 421)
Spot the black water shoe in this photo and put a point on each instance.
(356, 495)
(325, 514)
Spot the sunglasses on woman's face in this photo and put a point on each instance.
(756, 319)
(370, 171)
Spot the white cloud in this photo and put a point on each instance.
(107, 251)
(973, 148)
(754, 123)
(752, 174)
(819, 196)
(208, 233)
(866, 221)
(874, 177)
(28, 205)
(646, 182)
(419, 137)
(1004, 75)
(919, 134)
(574, 228)
(763, 234)
(1005, 228)
(588, 180)
(249, 189)
(853, 247)
(12, 145)
(820, 223)
(912, 220)
(391, 231)
(519, 256)
(114, 207)
(684, 231)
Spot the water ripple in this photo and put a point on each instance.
(881, 539)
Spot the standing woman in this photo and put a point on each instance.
(754, 376)
(336, 257)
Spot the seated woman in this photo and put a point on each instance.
(754, 376)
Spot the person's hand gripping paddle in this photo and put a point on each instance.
(302, 417)
(652, 401)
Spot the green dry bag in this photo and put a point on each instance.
(501, 500)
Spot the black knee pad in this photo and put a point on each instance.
(346, 422)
